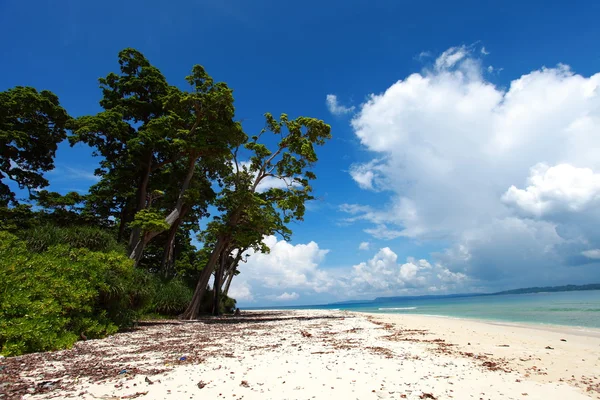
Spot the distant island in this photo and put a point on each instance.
(564, 288)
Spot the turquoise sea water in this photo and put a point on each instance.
(580, 309)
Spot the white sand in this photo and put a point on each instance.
(350, 358)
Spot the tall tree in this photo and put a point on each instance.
(242, 199)
(32, 124)
(157, 139)
(121, 134)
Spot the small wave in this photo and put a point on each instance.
(397, 308)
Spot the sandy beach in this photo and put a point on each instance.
(314, 354)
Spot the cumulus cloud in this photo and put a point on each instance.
(335, 107)
(297, 270)
(241, 291)
(383, 275)
(285, 267)
(554, 189)
(508, 176)
(364, 246)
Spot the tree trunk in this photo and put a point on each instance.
(168, 255)
(167, 260)
(142, 194)
(231, 268)
(193, 309)
(138, 251)
(228, 282)
(173, 216)
(123, 221)
(217, 284)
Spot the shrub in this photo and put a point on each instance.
(171, 297)
(41, 238)
(226, 305)
(48, 299)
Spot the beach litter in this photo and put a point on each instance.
(134, 396)
(123, 371)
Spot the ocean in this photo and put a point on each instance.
(576, 308)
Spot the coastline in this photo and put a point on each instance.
(570, 329)
(314, 354)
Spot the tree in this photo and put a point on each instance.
(121, 135)
(161, 147)
(32, 124)
(264, 211)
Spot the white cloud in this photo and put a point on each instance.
(370, 176)
(451, 57)
(593, 254)
(286, 267)
(335, 107)
(284, 296)
(383, 232)
(423, 55)
(455, 150)
(364, 246)
(241, 291)
(382, 275)
(554, 189)
(296, 269)
(484, 51)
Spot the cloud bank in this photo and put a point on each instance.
(510, 177)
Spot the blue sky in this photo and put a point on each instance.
(472, 168)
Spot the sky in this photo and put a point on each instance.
(466, 134)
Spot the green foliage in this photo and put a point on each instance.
(227, 305)
(48, 299)
(149, 221)
(15, 219)
(32, 124)
(171, 297)
(41, 238)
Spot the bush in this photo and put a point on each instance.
(41, 238)
(49, 299)
(172, 297)
(226, 305)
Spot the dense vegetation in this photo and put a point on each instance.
(76, 265)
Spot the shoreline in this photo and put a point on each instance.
(313, 354)
(572, 329)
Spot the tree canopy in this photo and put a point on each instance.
(32, 124)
